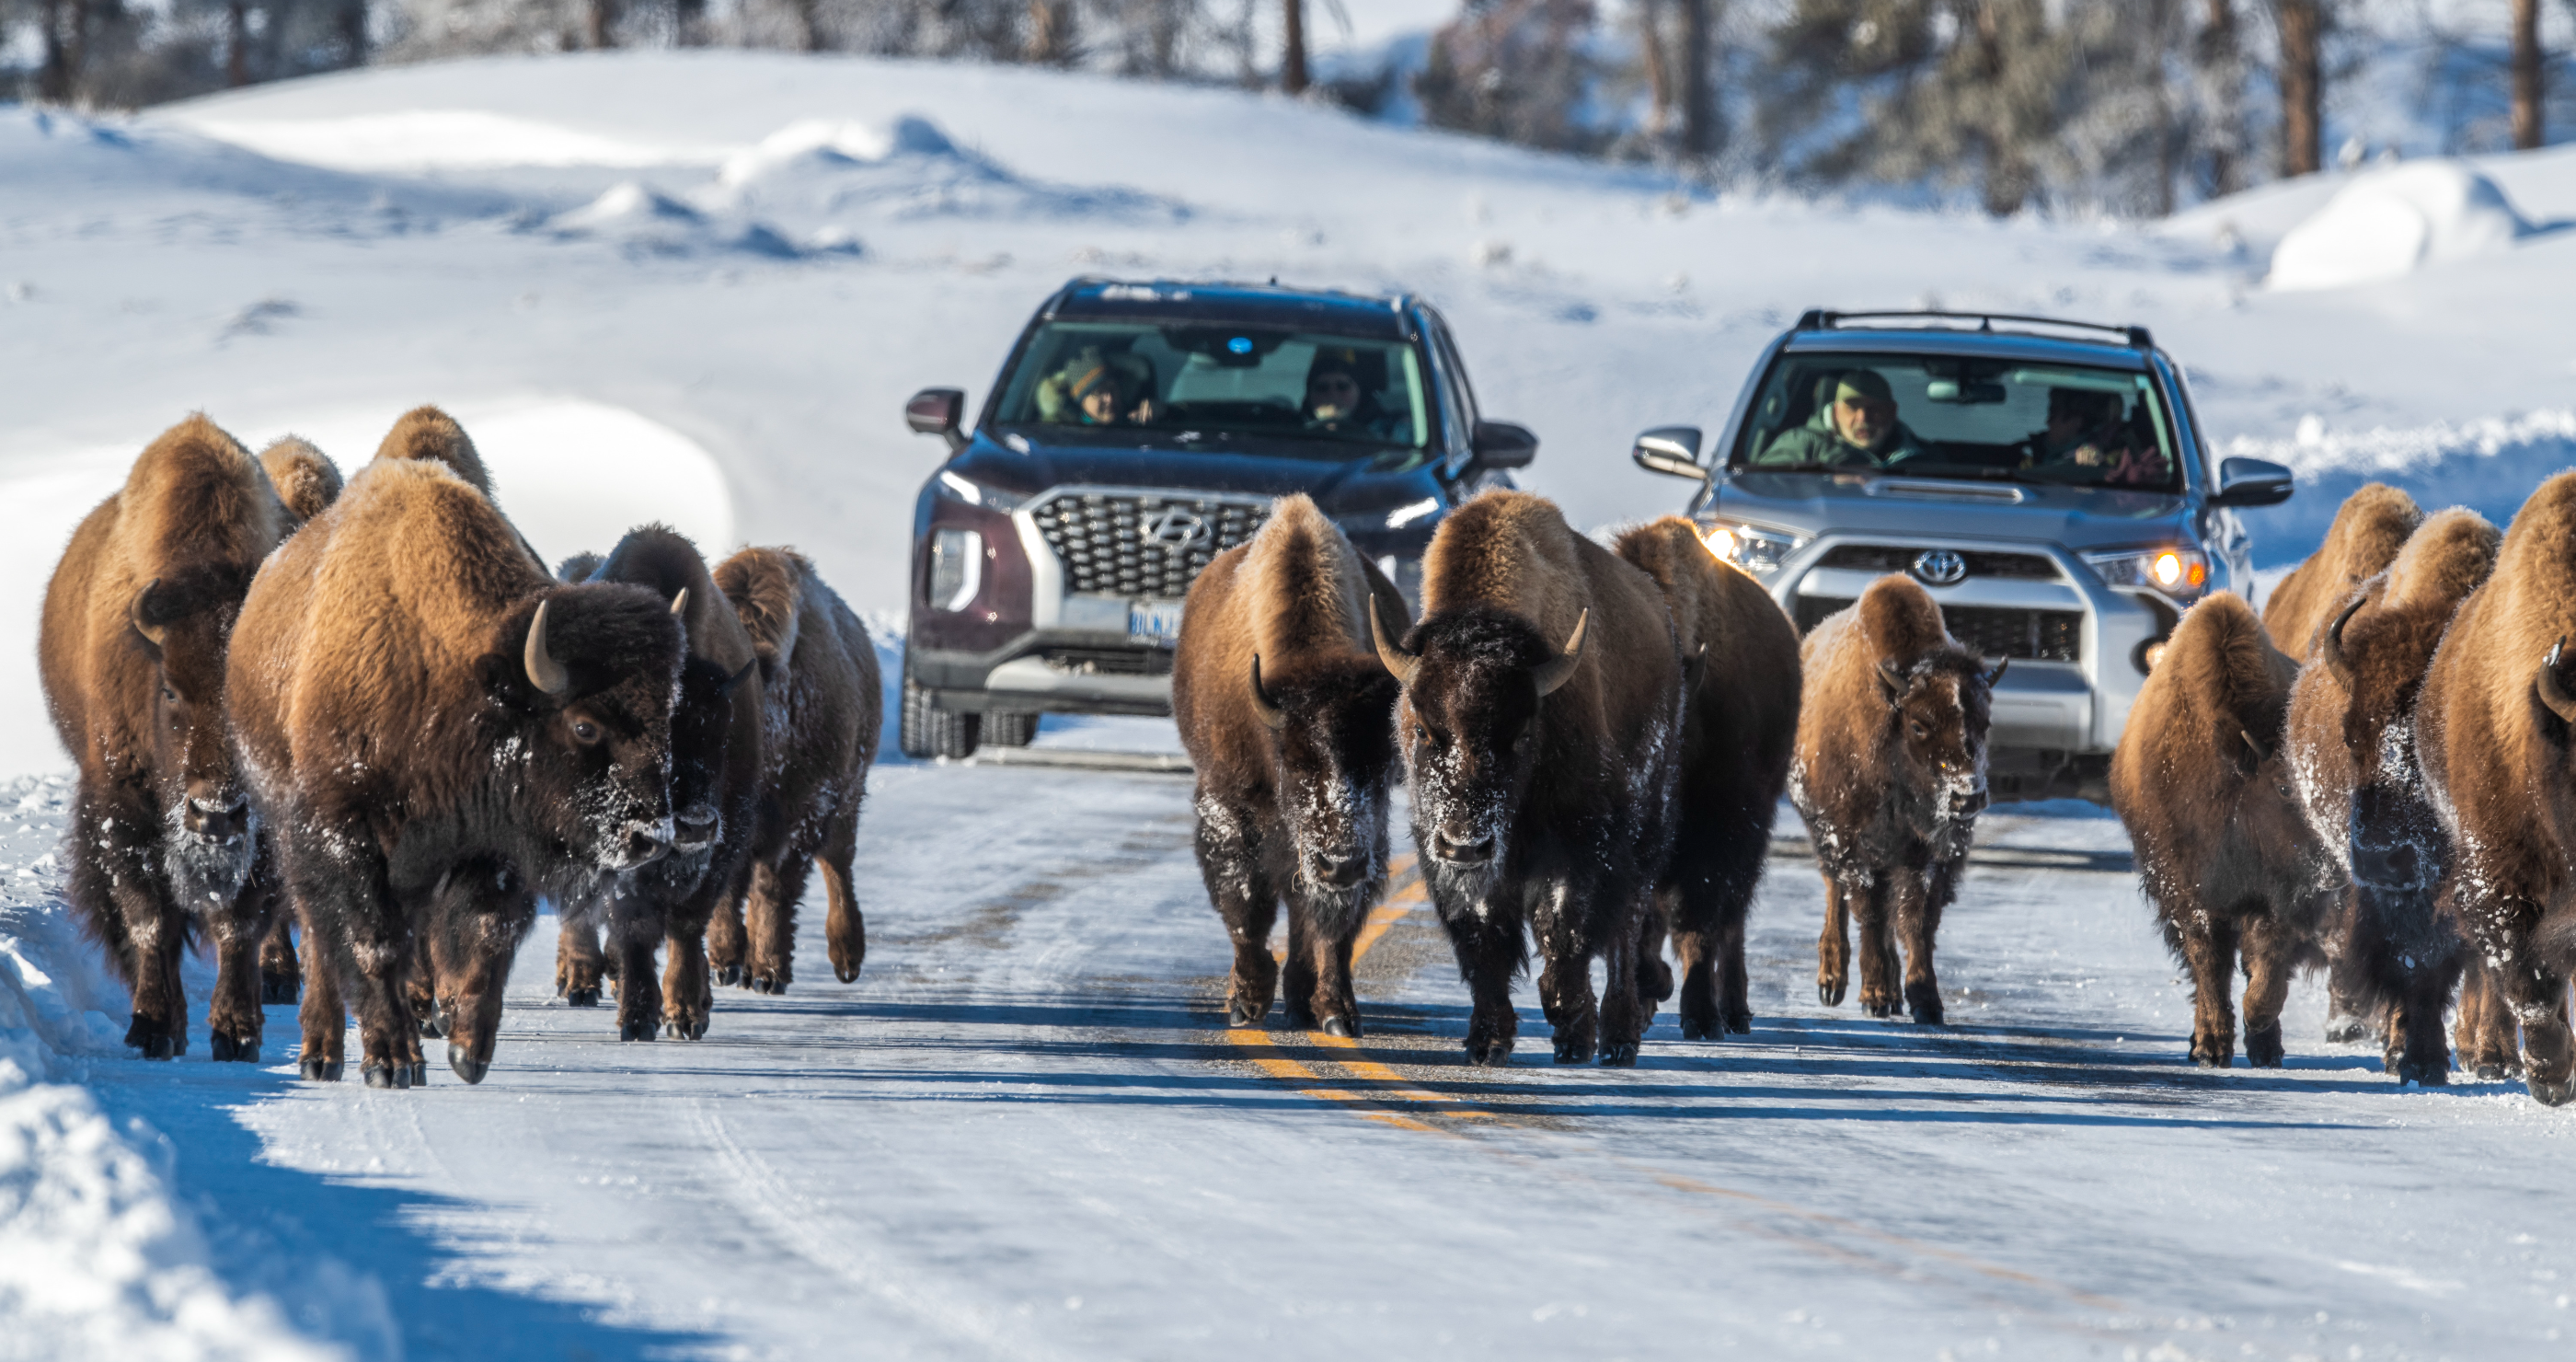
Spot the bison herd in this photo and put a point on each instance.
(369, 716)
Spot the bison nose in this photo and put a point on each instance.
(694, 827)
(2388, 865)
(643, 844)
(1337, 869)
(219, 818)
(1462, 849)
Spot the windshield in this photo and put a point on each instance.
(1947, 416)
(1222, 380)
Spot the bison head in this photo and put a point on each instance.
(702, 726)
(587, 679)
(183, 621)
(1473, 682)
(1330, 754)
(1938, 708)
(2393, 836)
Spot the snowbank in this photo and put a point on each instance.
(2490, 466)
(2389, 223)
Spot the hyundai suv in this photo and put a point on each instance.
(2047, 481)
(1136, 431)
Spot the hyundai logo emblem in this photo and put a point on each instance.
(1940, 567)
(1176, 529)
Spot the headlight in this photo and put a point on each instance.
(2180, 573)
(956, 568)
(1755, 549)
(956, 487)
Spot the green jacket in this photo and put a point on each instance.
(1818, 442)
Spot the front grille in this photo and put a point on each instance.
(1110, 661)
(1101, 538)
(1992, 631)
(1897, 558)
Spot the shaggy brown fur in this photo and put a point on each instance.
(2353, 758)
(2203, 786)
(1740, 725)
(425, 788)
(2494, 734)
(2363, 540)
(163, 841)
(716, 766)
(1890, 774)
(1552, 812)
(1292, 803)
(821, 711)
(306, 481)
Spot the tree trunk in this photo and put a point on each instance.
(1292, 62)
(600, 23)
(1658, 64)
(2302, 25)
(2527, 131)
(2169, 132)
(1699, 103)
(2008, 175)
(54, 77)
(353, 31)
(689, 23)
(809, 25)
(2222, 76)
(237, 44)
(1050, 41)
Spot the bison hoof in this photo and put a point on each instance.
(728, 975)
(636, 1030)
(467, 1067)
(1239, 1014)
(849, 975)
(1696, 1028)
(685, 1029)
(433, 1025)
(1831, 995)
(1621, 1056)
(419, 1071)
(2427, 1074)
(581, 997)
(2345, 1029)
(222, 1047)
(379, 1074)
(1339, 1025)
(1494, 1056)
(275, 991)
(1573, 1052)
(2553, 1094)
(2263, 1048)
(2490, 1072)
(768, 983)
(321, 1070)
(1877, 1007)
(2211, 1059)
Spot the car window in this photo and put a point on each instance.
(1456, 411)
(1958, 417)
(1218, 379)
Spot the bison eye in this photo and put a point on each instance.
(1920, 730)
(584, 731)
(170, 695)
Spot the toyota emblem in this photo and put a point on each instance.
(1940, 567)
(1177, 529)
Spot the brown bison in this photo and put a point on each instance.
(2352, 754)
(441, 733)
(307, 482)
(2494, 729)
(164, 840)
(1287, 714)
(1540, 721)
(1739, 725)
(1890, 774)
(2367, 532)
(715, 788)
(2203, 785)
(820, 704)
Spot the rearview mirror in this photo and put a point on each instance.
(1968, 392)
(2251, 482)
(1500, 444)
(938, 411)
(1670, 450)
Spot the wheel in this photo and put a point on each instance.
(1009, 728)
(929, 732)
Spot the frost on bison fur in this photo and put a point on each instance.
(164, 840)
(1288, 716)
(2367, 532)
(819, 721)
(2352, 751)
(1890, 774)
(1540, 723)
(716, 764)
(440, 732)
(1740, 721)
(2496, 731)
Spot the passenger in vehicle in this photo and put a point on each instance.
(1856, 426)
(1339, 400)
(2085, 431)
(1099, 390)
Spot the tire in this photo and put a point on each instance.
(1009, 728)
(929, 732)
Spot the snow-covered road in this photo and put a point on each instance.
(1026, 1133)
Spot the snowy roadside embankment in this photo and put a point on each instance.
(98, 1257)
(2489, 465)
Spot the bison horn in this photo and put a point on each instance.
(1390, 651)
(2254, 744)
(544, 672)
(1998, 673)
(155, 633)
(1892, 679)
(2330, 646)
(1691, 674)
(1262, 705)
(680, 603)
(2553, 689)
(1558, 670)
(734, 682)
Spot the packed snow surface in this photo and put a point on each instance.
(696, 288)
(2389, 223)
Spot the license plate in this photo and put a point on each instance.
(1155, 622)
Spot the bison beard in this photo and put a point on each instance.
(164, 843)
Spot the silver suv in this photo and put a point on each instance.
(2047, 481)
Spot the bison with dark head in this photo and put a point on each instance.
(1540, 723)
(716, 768)
(1741, 724)
(2224, 852)
(2495, 729)
(1890, 774)
(1287, 715)
(164, 839)
(442, 733)
(2352, 752)
(820, 696)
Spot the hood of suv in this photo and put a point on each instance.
(1360, 491)
(2080, 518)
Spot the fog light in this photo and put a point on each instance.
(2150, 653)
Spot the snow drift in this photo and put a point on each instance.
(2390, 223)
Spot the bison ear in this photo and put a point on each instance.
(1892, 682)
(2552, 683)
(150, 613)
(505, 683)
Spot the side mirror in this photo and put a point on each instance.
(2251, 482)
(1670, 450)
(1500, 444)
(938, 411)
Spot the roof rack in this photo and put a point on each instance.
(1819, 319)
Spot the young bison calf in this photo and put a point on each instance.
(1288, 716)
(1890, 774)
(2223, 849)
